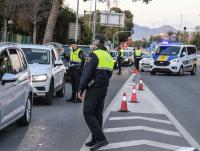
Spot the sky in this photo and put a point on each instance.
(154, 14)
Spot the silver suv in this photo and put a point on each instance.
(15, 87)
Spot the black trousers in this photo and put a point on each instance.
(137, 61)
(75, 79)
(93, 111)
(119, 66)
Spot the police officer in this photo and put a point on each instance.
(138, 57)
(119, 59)
(95, 80)
(75, 67)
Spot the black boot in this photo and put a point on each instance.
(99, 144)
(90, 143)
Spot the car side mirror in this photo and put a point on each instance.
(8, 77)
(183, 55)
(58, 63)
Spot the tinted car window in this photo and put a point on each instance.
(15, 61)
(168, 50)
(191, 50)
(5, 65)
(183, 50)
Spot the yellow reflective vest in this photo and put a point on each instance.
(138, 53)
(74, 56)
(106, 62)
(121, 51)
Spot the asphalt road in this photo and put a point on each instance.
(181, 96)
(59, 127)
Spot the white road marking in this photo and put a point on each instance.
(140, 142)
(139, 118)
(145, 128)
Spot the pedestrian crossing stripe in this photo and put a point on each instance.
(139, 118)
(139, 143)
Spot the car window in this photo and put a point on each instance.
(17, 66)
(53, 57)
(22, 60)
(5, 64)
(34, 55)
(191, 50)
(183, 51)
(168, 50)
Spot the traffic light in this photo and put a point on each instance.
(185, 28)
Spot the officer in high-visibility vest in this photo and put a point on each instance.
(119, 59)
(138, 57)
(76, 64)
(95, 80)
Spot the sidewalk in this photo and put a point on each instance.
(149, 126)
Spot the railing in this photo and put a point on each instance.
(11, 37)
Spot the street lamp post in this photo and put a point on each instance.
(181, 27)
(10, 23)
(77, 13)
(94, 21)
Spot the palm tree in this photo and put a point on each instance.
(56, 7)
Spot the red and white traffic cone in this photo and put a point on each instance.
(140, 87)
(124, 107)
(134, 96)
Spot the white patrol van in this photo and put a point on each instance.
(175, 58)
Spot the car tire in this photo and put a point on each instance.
(194, 70)
(61, 92)
(49, 95)
(153, 72)
(181, 72)
(26, 118)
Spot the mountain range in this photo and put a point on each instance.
(141, 32)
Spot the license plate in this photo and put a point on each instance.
(163, 58)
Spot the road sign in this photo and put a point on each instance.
(112, 19)
(72, 31)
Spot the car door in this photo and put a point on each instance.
(191, 57)
(184, 58)
(57, 70)
(9, 92)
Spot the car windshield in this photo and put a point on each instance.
(40, 56)
(168, 50)
(113, 54)
(86, 49)
(125, 54)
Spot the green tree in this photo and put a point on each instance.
(195, 40)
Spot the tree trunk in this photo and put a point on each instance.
(48, 36)
(34, 33)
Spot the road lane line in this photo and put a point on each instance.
(139, 118)
(145, 128)
(140, 142)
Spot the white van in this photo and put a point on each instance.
(175, 59)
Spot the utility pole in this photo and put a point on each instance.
(94, 21)
(77, 13)
(181, 27)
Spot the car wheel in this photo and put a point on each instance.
(26, 118)
(181, 72)
(49, 95)
(61, 92)
(194, 70)
(153, 72)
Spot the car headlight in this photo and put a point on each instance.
(174, 60)
(39, 78)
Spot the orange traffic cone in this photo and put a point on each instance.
(134, 96)
(124, 107)
(140, 87)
